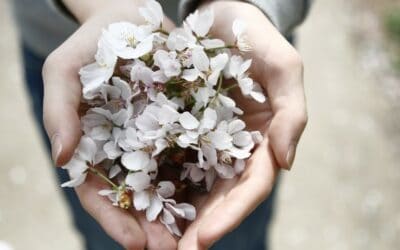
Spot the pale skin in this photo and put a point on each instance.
(276, 66)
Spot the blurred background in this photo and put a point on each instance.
(344, 190)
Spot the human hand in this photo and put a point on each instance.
(61, 117)
(278, 68)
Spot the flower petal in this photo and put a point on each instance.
(154, 209)
(166, 189)
(138, 181)
(188, 121)
(137, 160)
(141, 200)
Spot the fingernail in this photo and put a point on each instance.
(56, 147)
(290, 156)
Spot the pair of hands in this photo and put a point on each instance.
(276, 66)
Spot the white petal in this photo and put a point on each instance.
(188, 121)
(226, 101)
(114, 171)
(239, 166)
(225, 171)
(200, 59)
(196, 174)
(166, 189)
(242, 139)
(190, 74)
(160, 144)
(137, 160)
(220, 140)
(138, 181)
(188, 209)
(75, 182)
(236, 126)
(257, 136)
(209, 120)
(141, 200)
(155, 208)
(219, 62)
(210, 178)
(238, 27)
(112, 150)
(258, 96)
(212, 43)
(105, 192)
(239, 153)
(87, 148)
(167, 115)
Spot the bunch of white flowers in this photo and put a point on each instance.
(159, 119)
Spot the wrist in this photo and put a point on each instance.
(113, 10)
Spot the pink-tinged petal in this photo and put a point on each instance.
(141, 200)
(137, 160)
(166, 189)
(138, 181)
(87, 148)
(188, 121)
(200, 60)
(225, 171)
(236, 126)
(114, 171)
(154, 209)
(242, 139)
(220, 140)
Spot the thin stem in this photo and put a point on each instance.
(96, 172)
(218, 90)
(163, 31)
(222, 47)
(231, 87)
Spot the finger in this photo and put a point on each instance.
(61, 101)
(283, 82)
(118, 224)
(158, 236)
(253, 187)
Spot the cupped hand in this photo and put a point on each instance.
(61, 118)
(278, 68)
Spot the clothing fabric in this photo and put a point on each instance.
(250, 235)
(43, 26)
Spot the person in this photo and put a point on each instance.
(59, 37)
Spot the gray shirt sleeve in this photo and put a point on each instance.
(284, 14)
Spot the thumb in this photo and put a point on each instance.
(61, 101)
(284, 132)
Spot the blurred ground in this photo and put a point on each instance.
(342, 193)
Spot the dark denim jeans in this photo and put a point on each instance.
(250, 235)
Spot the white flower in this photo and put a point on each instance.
(238, 28)
(180, 39)
(78, 165)
(200, 22)
(152, 13)
(238, 70)
(99, 123)
(141, 73)
(129, 41)
(167, 62)
(94, 75)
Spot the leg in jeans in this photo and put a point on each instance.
(94, 236)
